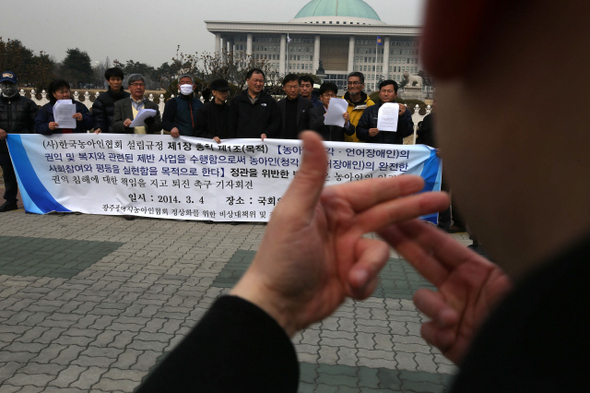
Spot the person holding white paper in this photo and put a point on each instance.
(329, 90)
(127, 109)
(358, 100)
(367, 129)
(45, 122)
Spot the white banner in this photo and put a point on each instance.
(189, 178)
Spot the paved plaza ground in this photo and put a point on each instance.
(90, 303)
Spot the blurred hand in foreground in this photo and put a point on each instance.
(313, 254)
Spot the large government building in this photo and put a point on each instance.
(333, 36)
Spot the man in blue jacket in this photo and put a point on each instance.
(367, 130)
(180, 113)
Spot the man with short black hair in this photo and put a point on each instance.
(180, 113)
(213, 118)
(357, 100)
(103, 109)
(253, 113)
(17, 116)
(317, 116)
(294, 109)
(306, 90)
(367, 130)
(127, 109)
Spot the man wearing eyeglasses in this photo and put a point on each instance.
(317, 115)
(127, 109)
(357, 99)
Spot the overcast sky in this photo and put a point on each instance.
(150, 30)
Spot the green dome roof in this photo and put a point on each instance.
(352, 8)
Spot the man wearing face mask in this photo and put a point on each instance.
(17, 116)
(180, 113)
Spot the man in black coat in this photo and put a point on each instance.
(103, 109)
(294, 109)
(253, 113)
(17, 116)
(213, 118)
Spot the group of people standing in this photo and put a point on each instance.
(255, 114)
(252, 114)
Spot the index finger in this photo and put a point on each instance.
(305, 189)
(433, 253)
(365, 194)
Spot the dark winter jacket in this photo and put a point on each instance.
(301, 108)
(45, 116)
(103, 109)
(181, 112)
(405, 127)
(212, 121)
(249, 120)
(329, 133)
(426, 132)
(17, 116)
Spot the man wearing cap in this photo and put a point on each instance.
(213, 117)
(180, 112)
(17, 116)
(127, 109)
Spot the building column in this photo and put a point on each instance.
(351, 47)
(282, 54)
(386, 57)
(223, 48)
(316, 53)
(217, 43)
(249, 45)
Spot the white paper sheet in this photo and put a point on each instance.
(388, 116)
(141, 116)
(63, 114)
(336, 109)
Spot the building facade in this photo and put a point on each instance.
(341, 36)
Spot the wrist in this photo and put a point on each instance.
(271, 302)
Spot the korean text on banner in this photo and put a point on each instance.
(189, 178)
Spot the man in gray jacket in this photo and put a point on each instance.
(127, 109)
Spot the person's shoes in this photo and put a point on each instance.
(8, 206)
(129, 217)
